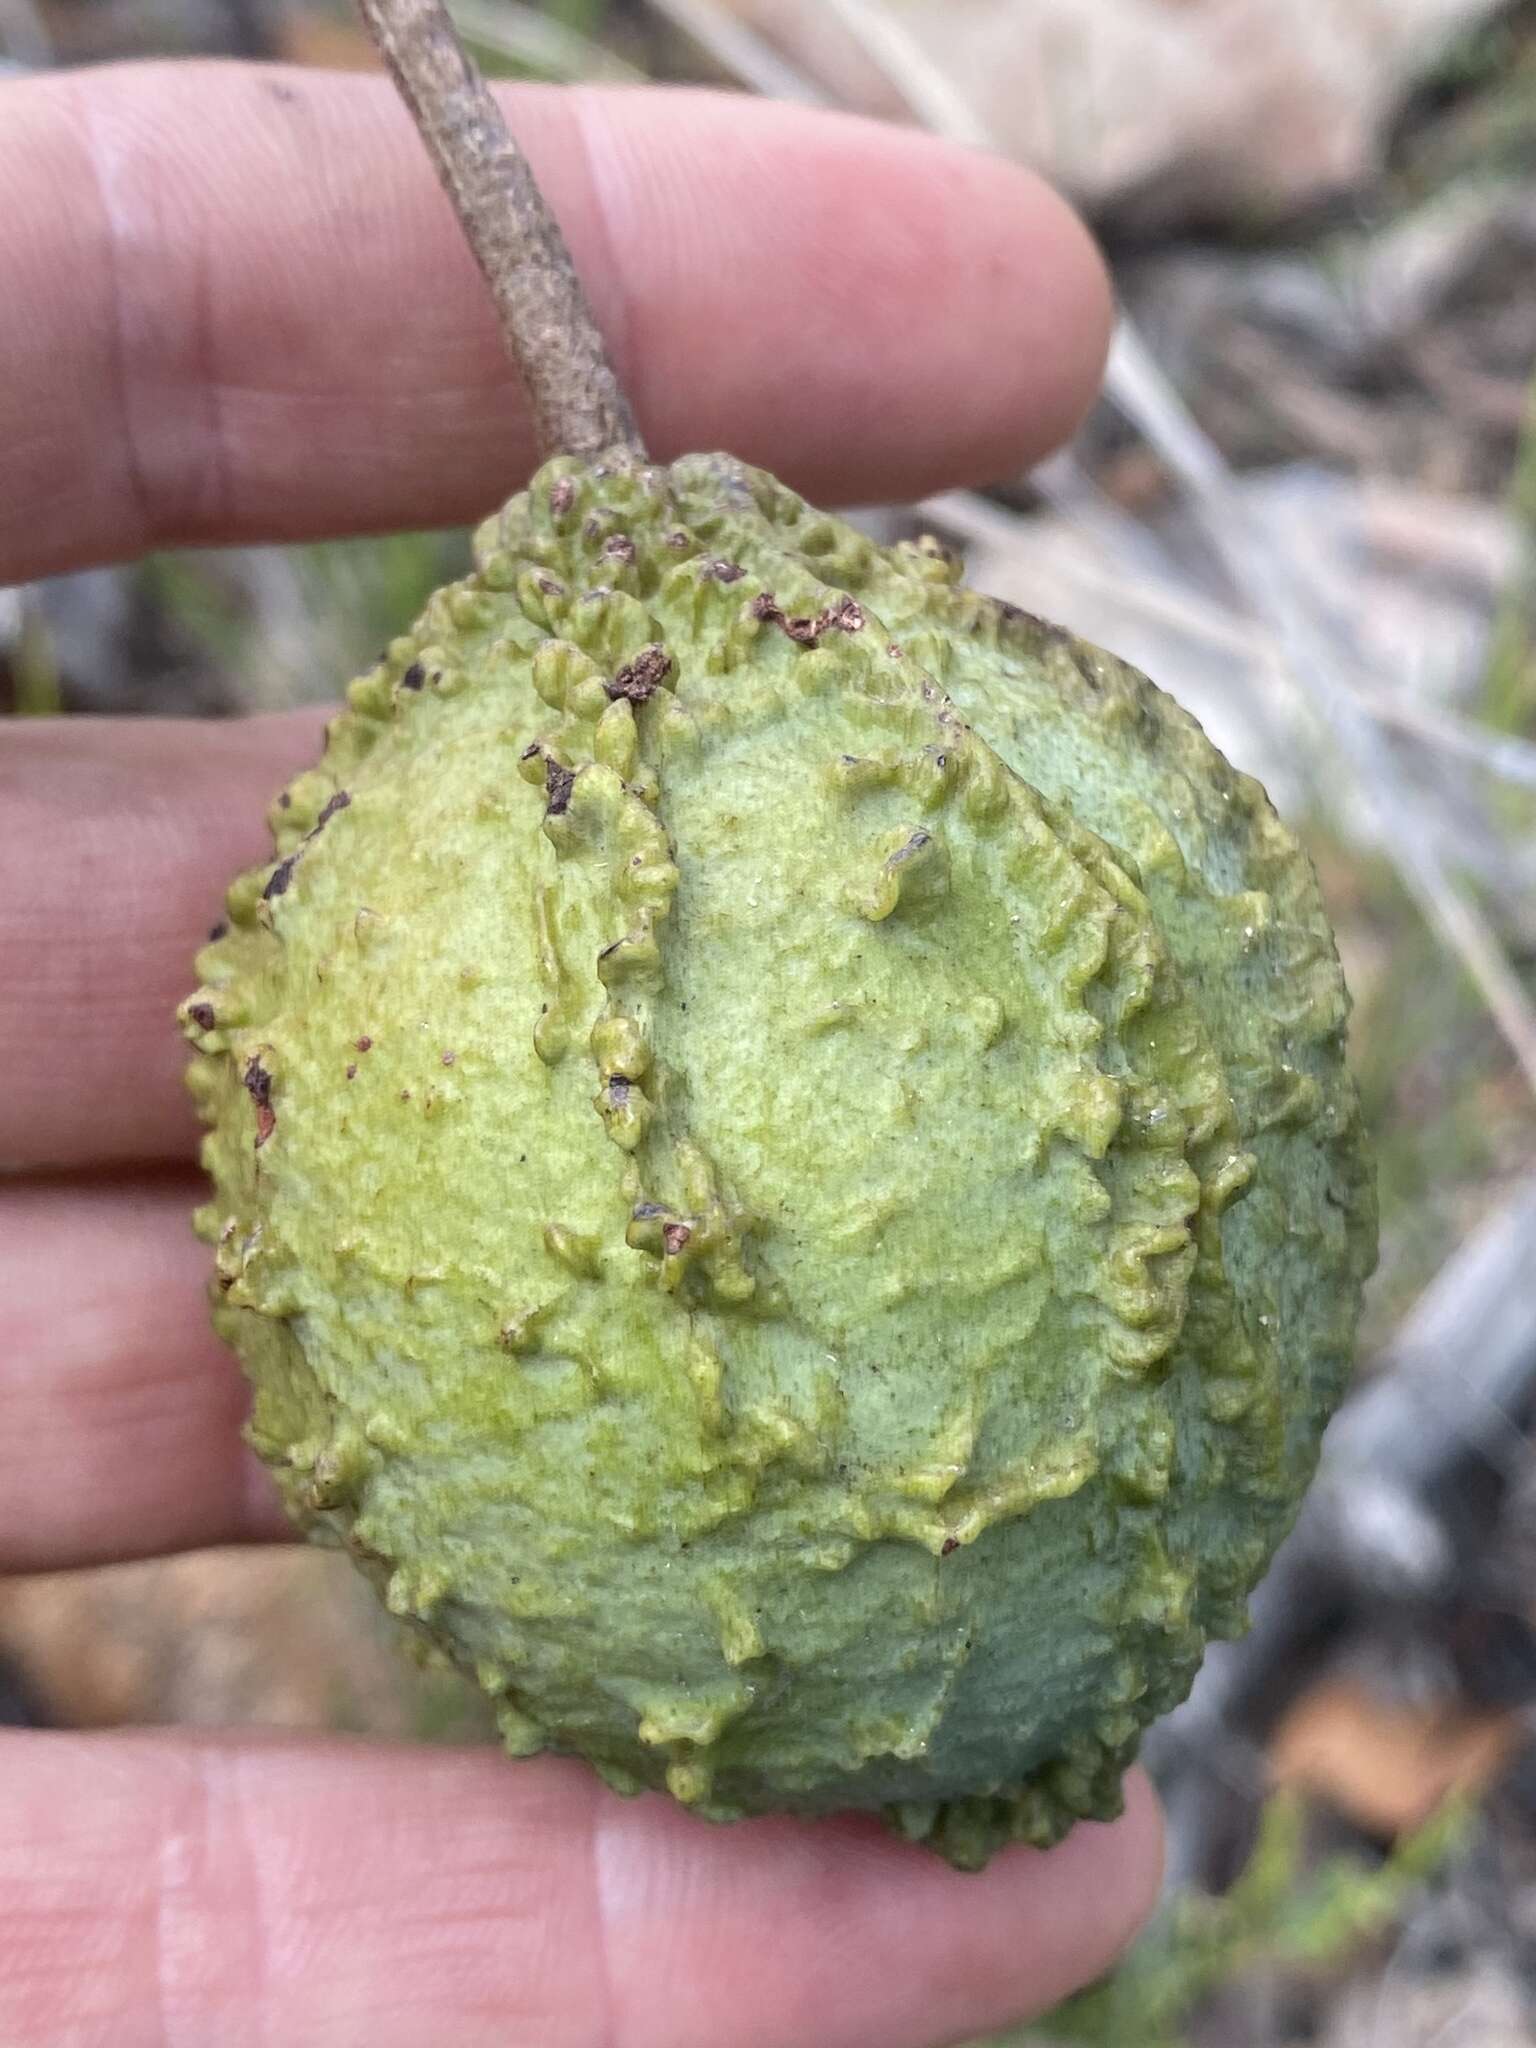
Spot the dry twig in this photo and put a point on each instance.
(740, 52)
(578, 406)
(934, 100)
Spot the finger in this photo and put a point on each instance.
(117, 839)
(122, 1409)
(159, 1893)
(234, 304)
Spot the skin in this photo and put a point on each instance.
(169, 377)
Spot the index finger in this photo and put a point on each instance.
(241, 1890)
(234, 304)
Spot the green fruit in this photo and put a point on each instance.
(809, 1248)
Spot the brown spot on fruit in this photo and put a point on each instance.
(331, 806)
(674, 1236)
(842, 615)
(258, 1085)
(562, 496)
(950, 1544)
(352, 1070)
(765, 606)
(558, 779)
(365, 1043)
(414, 677)
(202, 1015)
(278, 880)
(618, 548)
(722, 571)
(640, 679)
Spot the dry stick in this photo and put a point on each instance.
(739, 51)
(578, 406)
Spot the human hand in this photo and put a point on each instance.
(233, 306)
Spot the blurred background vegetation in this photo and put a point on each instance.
(1308, 507)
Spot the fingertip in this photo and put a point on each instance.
(837, 1931)
(1008, 1944)
(1046, 357)
(1114, 1871)
(1034, 1927)
(868, 310)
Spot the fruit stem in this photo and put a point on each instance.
(578, 405)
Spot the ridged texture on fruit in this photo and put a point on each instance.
(809, 1248)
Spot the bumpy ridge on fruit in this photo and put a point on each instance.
(808, 1247)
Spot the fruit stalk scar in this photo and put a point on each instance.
(578, 405)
